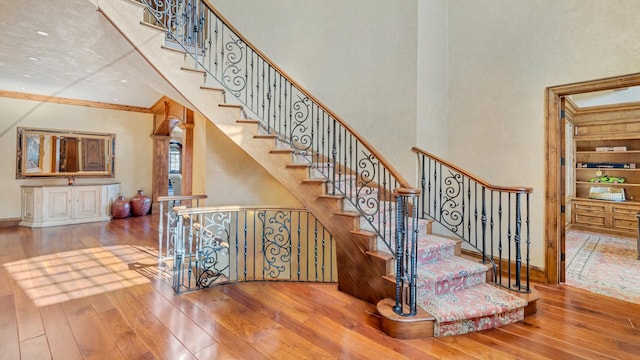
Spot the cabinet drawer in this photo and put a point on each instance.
(589, 219)
(625, 210)
(590, 207)
(625, 224)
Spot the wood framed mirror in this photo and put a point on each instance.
(64, 153)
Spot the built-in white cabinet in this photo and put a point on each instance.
(63, 205)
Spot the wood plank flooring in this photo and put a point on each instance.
(254, 320)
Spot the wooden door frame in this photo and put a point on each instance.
(554, 151)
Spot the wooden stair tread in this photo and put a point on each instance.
(363, 233)
(281, 151)
(247, 121)
(225, 105)
(211, 88)
(314, 182)
(345, 213)
(294, 165)
(181, 51)
(155, 27)
(193, 70)
(380, 254)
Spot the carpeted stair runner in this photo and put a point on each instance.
(455, 292)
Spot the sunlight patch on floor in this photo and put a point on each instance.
(59, 277)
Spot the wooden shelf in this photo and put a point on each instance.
(607, 152)
(606, 169)
(623, 185)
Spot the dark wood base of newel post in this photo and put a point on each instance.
(404, 327)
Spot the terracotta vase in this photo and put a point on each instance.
(140, 204)
(120, 209)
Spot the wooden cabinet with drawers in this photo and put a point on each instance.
(608, 215)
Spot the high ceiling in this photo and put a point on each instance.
(82, 57)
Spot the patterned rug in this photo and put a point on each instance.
(603, 264)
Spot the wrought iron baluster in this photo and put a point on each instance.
(529, 244)
(517, 240)
(299, 245)
(499, 275)
(509, 234)
(483, 219)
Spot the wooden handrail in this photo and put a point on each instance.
(513, 189)
(233, 208)
(181, 197)
(401, 180)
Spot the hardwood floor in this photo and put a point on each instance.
(62, 318)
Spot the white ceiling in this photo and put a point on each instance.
(607, 97)
(83, 57)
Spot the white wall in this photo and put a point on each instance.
(433, 82)
(502, 56)
(234, 178)
(358, 57)
(221, 169)
(133, 145)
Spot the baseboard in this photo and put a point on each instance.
(9, 222)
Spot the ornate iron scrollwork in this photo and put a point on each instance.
(276, 242)
(451, 215)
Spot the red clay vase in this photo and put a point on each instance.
(140, 204)
(120, 209)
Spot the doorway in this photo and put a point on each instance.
(555, 213)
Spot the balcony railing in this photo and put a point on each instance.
(221, 245)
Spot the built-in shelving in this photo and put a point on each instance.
(608, 129)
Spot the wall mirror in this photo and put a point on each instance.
(50, 153)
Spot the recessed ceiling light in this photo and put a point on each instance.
(27, 75)
(115, 99)
(32, 58)
(123, 81)
(40, 32)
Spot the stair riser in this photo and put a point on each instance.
(431, 255)
(483, 323)
(427, 289)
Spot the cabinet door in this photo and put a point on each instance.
(87, 202)
(28, 204)
(57, 204)
(110, 194)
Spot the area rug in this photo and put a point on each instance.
(603, 264)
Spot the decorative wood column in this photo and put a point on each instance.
(187, 153)
(167, 115)
(160, 171)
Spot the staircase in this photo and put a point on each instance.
(453, 295)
